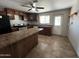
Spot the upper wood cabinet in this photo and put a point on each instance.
(2, 11)
(10, 13)
(16, 12)
(22, 15)
(32, 16)
(25, 17)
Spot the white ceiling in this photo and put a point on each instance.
(49, 5)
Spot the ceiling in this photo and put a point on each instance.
(49, 5)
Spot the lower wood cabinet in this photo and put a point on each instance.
(6, 52)
(46, 31)
(21, 48)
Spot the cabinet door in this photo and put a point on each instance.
(25, 17)
(6, 52)
(32, 17)
(29, 16)
(10, 13)
(21, 48)
(2, 12)
(25, 45)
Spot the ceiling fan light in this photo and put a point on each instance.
(34, 4)
(33, 9)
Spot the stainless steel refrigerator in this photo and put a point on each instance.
(4, 24)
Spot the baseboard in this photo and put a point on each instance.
(73, 48)
(60, 35)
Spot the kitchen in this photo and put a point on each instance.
(9, 35)
(16, 26)
(39, 29)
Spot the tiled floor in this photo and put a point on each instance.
(52, 47)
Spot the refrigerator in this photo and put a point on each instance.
(4, 24)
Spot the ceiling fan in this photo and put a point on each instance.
(32, 5)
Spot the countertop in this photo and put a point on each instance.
(45, 25)
(13, 37)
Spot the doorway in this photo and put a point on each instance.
(57, 29)
(60, 26)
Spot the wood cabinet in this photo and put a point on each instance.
(32, 16)
(22, 15)
(21, 48)
(10, 13)
(16, 12)
(47, 30)
(25, 17)
(6, 52)
(2, 11)
(13, 29)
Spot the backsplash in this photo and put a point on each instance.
(32, 22)
(17, 21)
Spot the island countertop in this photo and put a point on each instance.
(13, 37)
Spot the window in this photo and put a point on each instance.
(45, 19)
(0, 17)
(17, 17)
(57, 21)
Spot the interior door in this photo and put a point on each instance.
(57, 29)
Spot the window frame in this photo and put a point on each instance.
(44, 19)
(59, 21)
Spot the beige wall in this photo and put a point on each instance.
(74, 32)
(65, 20)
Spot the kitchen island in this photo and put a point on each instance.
(18, 43)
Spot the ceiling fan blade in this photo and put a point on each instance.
(26, 6)
(32, 5)
(35, 1)
(40, 7)
(29, 9)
